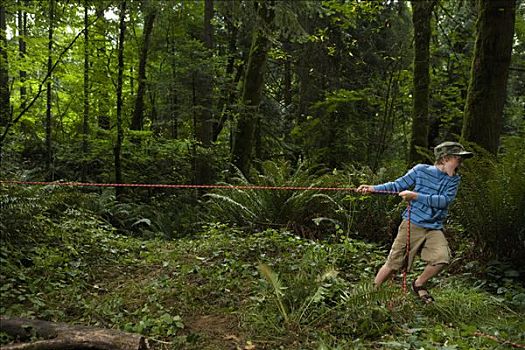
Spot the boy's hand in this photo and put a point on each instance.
(365, 189)
(408, 195)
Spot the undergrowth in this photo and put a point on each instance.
(306, 294)
(313, 212)
(76, 256)
(491, 202)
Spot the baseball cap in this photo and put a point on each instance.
(451, 148)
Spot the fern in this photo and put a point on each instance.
(491, 202)
(229, 201)
(278, 289)
(321, 292)
(297, 210)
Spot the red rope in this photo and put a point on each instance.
(245, 187)
(405, 270)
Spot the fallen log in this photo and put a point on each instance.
(62, 336)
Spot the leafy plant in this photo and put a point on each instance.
(326, 299)
(491, 202)
(297, 209)
(310, 212)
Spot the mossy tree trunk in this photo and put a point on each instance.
(5, 106)
(49, 149)
(85, 119)
(421, 18)
(120, 132)
(4, 77)
(227, 99)
(203, 104)
(42, 335)
(137, 121)
(22, 50)
(243, 144)
(483, 118)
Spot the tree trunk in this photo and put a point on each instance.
(137, 121)
(387, 123)
(421, 18)
(5, 106)
(49, 150)
(85, 123)
(171, 115)
(59, 336)
(120, 131)
(101, 96)
(173, 103)
(287, 81)
(22, 34)
(227, 99)
(252, 90)
(204, 121)
(483, 118)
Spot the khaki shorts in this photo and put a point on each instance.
(432, 244)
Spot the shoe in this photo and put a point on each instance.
(425, 298)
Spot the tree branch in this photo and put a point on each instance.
(58, 336)
(41, 85)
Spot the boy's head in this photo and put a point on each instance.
(449, 148)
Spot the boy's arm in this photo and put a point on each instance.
(403, 183)
(440, 201)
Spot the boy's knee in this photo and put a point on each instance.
(442, 259)
(439, 265)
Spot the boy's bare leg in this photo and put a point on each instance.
(382, 275)
(429, 272)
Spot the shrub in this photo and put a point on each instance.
(491, 202)
(311, 212)
(305, 211)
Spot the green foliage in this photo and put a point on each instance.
(491, 202)
(326, 298)
(163, 215)
(309, 212)
(77, 269)
(273, 208)
(277, 287)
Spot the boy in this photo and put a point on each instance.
(434, 188)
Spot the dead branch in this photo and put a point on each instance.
(62, 336)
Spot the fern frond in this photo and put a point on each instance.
(273, 278)
(320, 293)
(232, 202)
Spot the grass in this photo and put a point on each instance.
(207, 292)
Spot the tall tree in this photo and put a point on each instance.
(205, 122)
(228, 98)
(49, 150)
(252, 87)
(101, 69)
(483, 119)
(203, 87)
(421, 18)
(173, 100)
(5, 106)
(85, 122)
(120, 131)
(22, 36)
(137, 121)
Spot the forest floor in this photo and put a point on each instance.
(211, 291)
